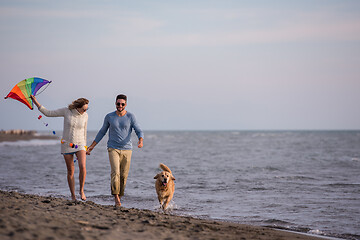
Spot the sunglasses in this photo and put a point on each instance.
(118, 104)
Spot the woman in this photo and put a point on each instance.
(75, 125)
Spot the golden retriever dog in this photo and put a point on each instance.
(165, 186)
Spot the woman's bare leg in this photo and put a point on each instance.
(81, 156)
(69, 160)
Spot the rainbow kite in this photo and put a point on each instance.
(25, 88)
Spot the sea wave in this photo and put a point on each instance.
(266, 180)
(33, 142)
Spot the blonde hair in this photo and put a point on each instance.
(78, 103)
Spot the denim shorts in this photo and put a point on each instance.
(71, 153)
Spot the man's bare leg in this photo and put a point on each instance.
(117, 200)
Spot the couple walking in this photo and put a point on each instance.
(120, 124)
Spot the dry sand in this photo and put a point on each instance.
(26, 216)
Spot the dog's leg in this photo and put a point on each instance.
(161, 202)
(166, 204)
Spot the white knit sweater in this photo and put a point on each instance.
(75, 127)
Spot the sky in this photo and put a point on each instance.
(187, 65)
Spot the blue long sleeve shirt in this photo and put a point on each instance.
(120, 129)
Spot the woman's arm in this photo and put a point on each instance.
(49, 113)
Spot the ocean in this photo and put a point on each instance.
(304, 181)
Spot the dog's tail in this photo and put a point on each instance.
(165, 168)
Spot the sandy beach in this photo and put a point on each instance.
(26, 216)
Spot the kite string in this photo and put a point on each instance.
(43, 89)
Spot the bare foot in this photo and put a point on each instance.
(117, 201)
(73, 198)
(83, 197)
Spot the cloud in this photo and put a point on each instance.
(157, 53)
(292, 27)
(299, 32)
(184, 27)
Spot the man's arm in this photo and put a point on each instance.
(91, 147)
(99, 136)
(140, 143)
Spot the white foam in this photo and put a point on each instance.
(33, 142)
(316, 231)
(172, 206)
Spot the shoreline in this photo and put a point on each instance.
(26, 216)
(22, 135)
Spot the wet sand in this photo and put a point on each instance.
(26, 216)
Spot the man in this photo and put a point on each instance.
(120, 124)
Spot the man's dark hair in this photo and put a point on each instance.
(121, 96)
